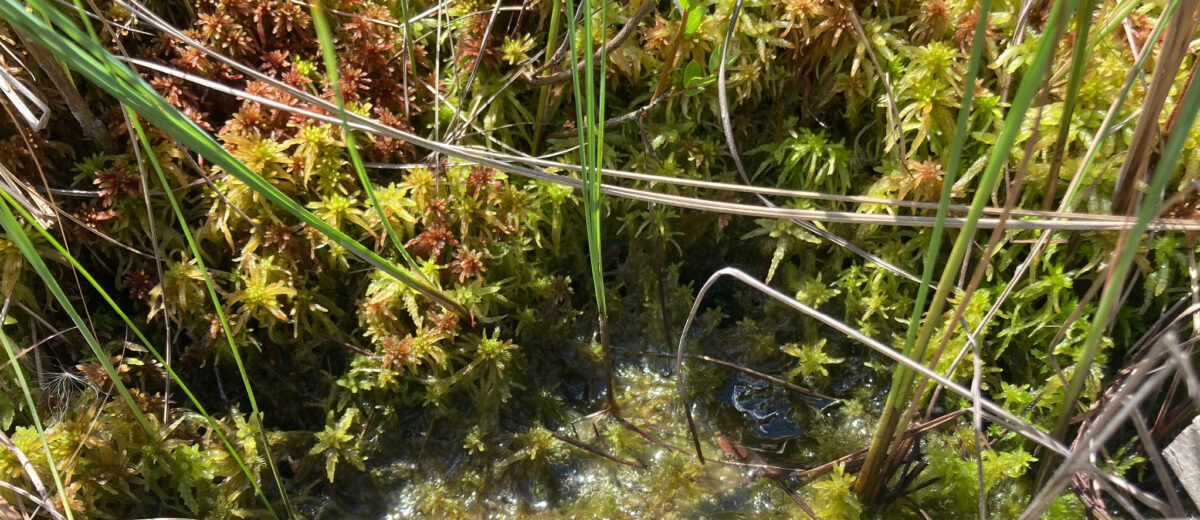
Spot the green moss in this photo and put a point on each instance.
(378, 402)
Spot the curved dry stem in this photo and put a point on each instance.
(893, 112)
(487, 34)
(997, 413)
(158, 270)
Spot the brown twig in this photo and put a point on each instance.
(1147, 132)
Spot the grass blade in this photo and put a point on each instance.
(1127, 251)
(146, 343)
(544, 94)
(893, 418)
(219, 308)
(978, 46)
(590, 145)
(330, 57)
(589, 117)
(1083, 23)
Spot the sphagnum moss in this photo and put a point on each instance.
(377, 401)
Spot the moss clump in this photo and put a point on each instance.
(379, 402)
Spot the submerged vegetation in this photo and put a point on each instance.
(366, 258)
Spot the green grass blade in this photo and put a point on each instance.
(1128, 251)
(1114, 21)
(1030, 84)
(145, 342)
(216, 300)
(1083, 23)
(893, 417)
(325, 35)
(937, 234)
(590, 177)
(103, 69)
(590, 147)
(597, 125)
(590, 122)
